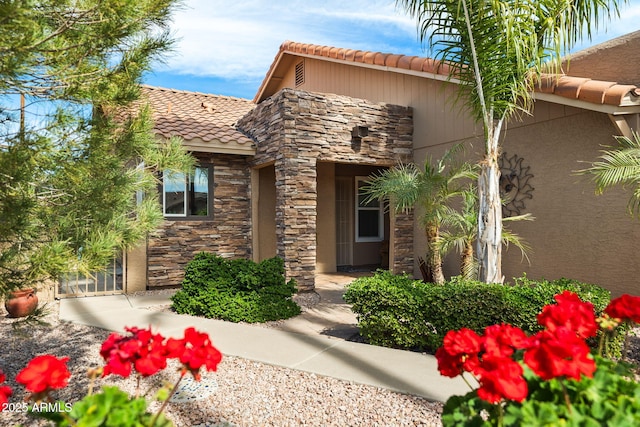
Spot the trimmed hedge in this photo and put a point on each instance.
(400, 312)
(237, 290)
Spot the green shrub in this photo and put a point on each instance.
(236, 290)
(400, 312)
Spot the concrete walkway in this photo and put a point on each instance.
(310, 342)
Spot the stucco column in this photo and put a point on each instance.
(296, 202)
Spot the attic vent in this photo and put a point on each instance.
(208, 106)
(299, 73)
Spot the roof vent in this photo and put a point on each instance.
(299, 73)
(208, 106)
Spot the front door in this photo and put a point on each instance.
(344, 221)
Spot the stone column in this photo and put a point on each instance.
(296, 202)
(402, 243)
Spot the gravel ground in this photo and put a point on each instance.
(248, 393)
(241, 393)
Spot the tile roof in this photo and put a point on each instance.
(205, 122)
(567, 87)
(588, 90)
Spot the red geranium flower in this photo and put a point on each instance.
(501, 377)
(448, 365)
(464, 341)
(142, 349)
(194, 351)
(570, 312)
(44, 373)
(625, 307)
(502, 340)
(5, 391)
(459, 352)
(559, 353)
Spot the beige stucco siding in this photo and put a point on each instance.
(576, 234)
(441, 120)
(326, 218)
(264, 214)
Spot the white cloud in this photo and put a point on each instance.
(239, 39)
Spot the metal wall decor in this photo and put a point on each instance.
(514, 184)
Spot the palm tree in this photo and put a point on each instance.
(433, 189)
(460, 231)
(496, 50)
(619, 166)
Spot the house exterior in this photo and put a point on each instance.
(280, 175)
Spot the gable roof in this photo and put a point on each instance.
(205, 122)
(606, 96)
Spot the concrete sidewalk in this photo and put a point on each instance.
(398, 370)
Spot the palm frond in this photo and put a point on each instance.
(398, 185)
(509, 237)
(619, 165)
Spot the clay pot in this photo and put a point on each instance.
(21, 303)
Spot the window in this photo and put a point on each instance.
(369, 216)
(188, 196)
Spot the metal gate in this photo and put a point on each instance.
(111, 281)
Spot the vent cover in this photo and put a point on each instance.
(299, 73)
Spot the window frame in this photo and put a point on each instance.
(359, 208)
(189, 196)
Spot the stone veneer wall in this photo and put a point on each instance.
(175, 243)
(295, 129)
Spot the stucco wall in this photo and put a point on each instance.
(326, 218)
(576, 234)
(265, 214)
(175, 243)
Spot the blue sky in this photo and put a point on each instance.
(225, 47)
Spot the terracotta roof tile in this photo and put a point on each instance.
(584, 89)
(392, 60)
(615, 94)
(192, 115)
(593, 91)
(569, 88)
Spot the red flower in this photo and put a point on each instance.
(44, 373)
(559, 353)
(464, 341)
(194, 351)
(5, 391)
(502, 340)
(570, 312)
(625, 307)
(448, 365)
(143, 350)
(501, 377)
(459, 352)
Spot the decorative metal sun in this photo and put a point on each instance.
(514, 184)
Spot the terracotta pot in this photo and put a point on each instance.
(21, 303)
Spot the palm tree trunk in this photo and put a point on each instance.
(490, 213)
(466, 261)
(434, 256)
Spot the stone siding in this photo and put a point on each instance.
(228, 234)
(294, 130)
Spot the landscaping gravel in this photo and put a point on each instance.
(241, 393)
(248, 393)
